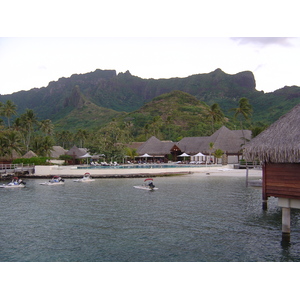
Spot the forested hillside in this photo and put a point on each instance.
(106, 94)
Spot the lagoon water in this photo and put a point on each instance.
(188, 219)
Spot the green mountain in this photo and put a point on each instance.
(107, 94)
(79, 112)
(170, 116)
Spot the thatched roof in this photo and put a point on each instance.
(229, 141)
(57, 151)
(13, 156)
(155, 147)
(280, 143)
(77, 152)
(193, 145)
(29, 154)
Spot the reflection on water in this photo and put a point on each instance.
(188, 218)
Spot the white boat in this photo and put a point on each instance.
(86, 178)
(15, 183)
(147, 185)
(56, 180)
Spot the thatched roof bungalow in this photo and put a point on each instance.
(9, 158)
(57, 151)
(29, 154)
(76, 153)
(278, 148)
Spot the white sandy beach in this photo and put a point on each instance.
(74, 171)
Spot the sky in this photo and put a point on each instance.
(32, 62)
(163, 40)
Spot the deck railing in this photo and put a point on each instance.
(12, 168)
(250, 164)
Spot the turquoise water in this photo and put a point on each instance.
(188, 219)
(146, 166)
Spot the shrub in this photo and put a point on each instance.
(32, 160)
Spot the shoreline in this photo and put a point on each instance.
(74, 172)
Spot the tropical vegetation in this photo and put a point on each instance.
(170, 116)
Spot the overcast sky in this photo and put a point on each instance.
(163, 40)
(27, 63)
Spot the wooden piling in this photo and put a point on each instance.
(286, 224)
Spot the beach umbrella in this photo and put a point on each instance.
(87, 155)
(199, 154)
(146, 155)
(184, 155)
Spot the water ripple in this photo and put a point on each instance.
(188, 219)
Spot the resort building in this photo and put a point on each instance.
(229, 141)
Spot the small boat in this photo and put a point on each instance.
(56, 180)
(86, 178)
(147, 185)
(15, 183)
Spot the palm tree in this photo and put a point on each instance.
(211, 147)
(81, 135)
(256, 130)
(146, 131)
(7, 110)
(244, 110)
(215, 114)
(168, 123)
(132, 153)
(47, 127)
(218, 154)
(12, 142)
(65, 138)
(43, 145)
(28, 120)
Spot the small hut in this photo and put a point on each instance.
(57, 151)
(76, 153)
(278, 148)
(29, 154)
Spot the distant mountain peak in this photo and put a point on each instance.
(76, 99)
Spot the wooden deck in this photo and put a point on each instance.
(15, 169)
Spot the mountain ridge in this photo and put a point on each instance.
(124, 92)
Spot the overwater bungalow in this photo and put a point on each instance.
(278, 148)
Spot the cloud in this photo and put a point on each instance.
(259, 67)
(263, 41)
(42, 68)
